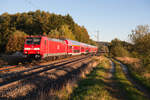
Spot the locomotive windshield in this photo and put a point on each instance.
(33, 40)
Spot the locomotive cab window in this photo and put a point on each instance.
(33, 40)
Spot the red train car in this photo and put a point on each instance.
(73, 47)
(41, 46)
(84, 48)
(91, 49)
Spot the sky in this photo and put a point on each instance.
(112, 18)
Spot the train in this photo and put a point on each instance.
(43, 47)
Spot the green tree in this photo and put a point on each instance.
(81, 34)
(54, 34)
(119, 48)
(119, 51)
(65, 32)
(140, 37)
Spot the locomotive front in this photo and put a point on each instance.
(32, 47)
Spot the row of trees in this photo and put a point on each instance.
(15, 26)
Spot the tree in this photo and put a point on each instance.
(15, 42)
(81, 34)
(139, 33)
(39, 22)
(140, 37)
(119, 51)
(54, 34)
(65, 32)
(119, 48)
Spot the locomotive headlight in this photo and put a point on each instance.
(26, 48)
(36, 48)
(26, 52)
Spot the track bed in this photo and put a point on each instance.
(45, 77)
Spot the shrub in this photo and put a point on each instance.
(15, 42)
(119, 51)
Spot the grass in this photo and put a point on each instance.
(96, 86)
(126, 87)
(93, 87)
(139, 73)
(139, 78)
(66, 90)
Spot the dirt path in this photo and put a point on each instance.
(121, 86)
(100, 84)
(114, 88)
(107, 82)
(137, 86)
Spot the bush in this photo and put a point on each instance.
(15, 42)
(119, 51)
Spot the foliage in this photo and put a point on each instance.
(54, 34)
(139, 73)
(140, 37)
(65, 32)
(39, 22)
(126, 87)
(119, 51)
(15, 42)
(119, 48)
(79, 31)
(62, 32)
(103, 48)
(139, 33)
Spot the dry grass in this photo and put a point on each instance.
(69, 84)
(146, 75)
(64, 93)
(128, 60)
(21, 90)
(139, 73)
(126, 87)
(131, 61)
(93, 86)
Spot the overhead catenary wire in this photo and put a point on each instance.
(95, 35)
(32, 4)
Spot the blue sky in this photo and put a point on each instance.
(113, 18)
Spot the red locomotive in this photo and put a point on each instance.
(42, 47)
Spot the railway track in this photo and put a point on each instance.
(14, 78)
(25, 68)
(7, 67)
(13, 68)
